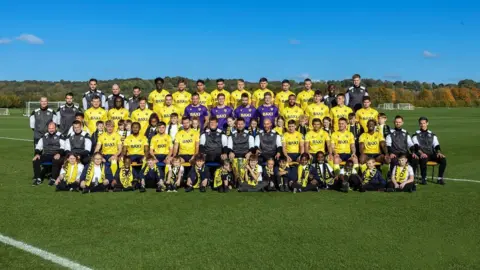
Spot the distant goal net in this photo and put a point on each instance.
(4, 111)
(398, 106)
(33, 105)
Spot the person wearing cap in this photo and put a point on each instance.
(428, 148)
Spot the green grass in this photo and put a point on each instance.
(434, 228)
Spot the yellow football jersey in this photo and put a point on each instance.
(109, 143)
(371, 142)
(186, 141)
(292, 142)
(291, 113)
(342, 142)
(116, 115)
(215, 93)
(135, 144)
(236, 98)
(92, 116)
(258, 96)
(317, 111)
(164, 113)
(205, 99)
(279, 130)
(305, 98)
(338, 112)
(364, 115)
(142, 117)
(157, 98)
(181, 99)
(161, 144)
(317, 141)
(281, 99)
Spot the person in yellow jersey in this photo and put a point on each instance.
(142, 115)
(292, 142)
(157, 96)
(165, 111)
(318, 140)
(259, 94)
(339, 111)
(305, 97)
(282, 98)
(318, 109)
(366, 113)
(372, 145)
(220, 89)
(161, 146)
(181, 98)
(205, 98)
(292, 111)
(109, 144)
(95, 114)
(135, 145)
(186, 142)
(236, 96)
(343, 144)
(118, 112)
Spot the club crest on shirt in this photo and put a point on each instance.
(271, 109)
(81, 138)
(271, 134)
(48, 113)
(224, 110)
(249, 110)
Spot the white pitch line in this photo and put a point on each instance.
(42, 253)
(16, 139)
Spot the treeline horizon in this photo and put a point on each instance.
(465, 93)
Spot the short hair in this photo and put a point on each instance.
(241, 80)
(142, 98)
(159, 79)
(136, 87)
(200, 81)
(366, 98)
(318, 93)
(331, 86)
(328, 119)
(244, 95)
(382, 115)
(168, 95)
(285, 81)
(355, 76)
(161, 123)
(136, 124)
(253, 158)
(282, 159)
(199, 157)
(402, 156)
(225, 162)
(220, 95)
(95, 97)
(341, 95)
(213, 118)
(184, 118)
(267, 94)
(181, 81)
(318, 153)
(92, 80)
(341, 119)
(316, 120)
(109, 123)
(99, 123)
(174, 115)
(263, 79)
(351, 115)
(305, 155)
(372, 120)
(79, 114)
(292, 95)
(307, 80)
(150, 157)
(121, 122)
(240, 119)
(69, 94)
(422, 118)
(220, 80)
(292, 122)
(398, 117)
(76, 122)
(195, 95)
(128, 121)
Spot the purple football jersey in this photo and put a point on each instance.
(222, 114)
(267, 112)
(199, 111)
(247, 113)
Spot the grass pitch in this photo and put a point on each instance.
(433, 228)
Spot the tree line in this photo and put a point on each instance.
(466, 93)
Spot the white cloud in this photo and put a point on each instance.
(31, 39)
(5, 40)
(294, 41)
(428, 54)
(304, 75)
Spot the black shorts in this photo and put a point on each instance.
(186, 158)
(373, 155)
(345, 157)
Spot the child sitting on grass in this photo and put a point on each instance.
(349, 173)
(69, 178)
(174, 174)
(199, 175)
(223, 180)
(371, 178)
(307, 178)
(270, 176)
(326, 175)
(124, 179)
(95, 176)
(151, 175)
(402, 177)
(252, 181)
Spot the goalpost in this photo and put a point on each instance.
(4, 111)
(399, 106)
(33, 105)
(386, 106)
(405, 106)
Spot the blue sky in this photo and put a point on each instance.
(396, 40)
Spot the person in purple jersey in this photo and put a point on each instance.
(245, 111)
(195, 109)
(267, 110)
(221, 112)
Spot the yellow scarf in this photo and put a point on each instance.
(303, 173)
(369, 174)
(91, 172)
(219, 177)
(199, 176)
(70, 178)
(401, 174)
(126, 177)
(251, 181)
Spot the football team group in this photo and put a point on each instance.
(260, 141)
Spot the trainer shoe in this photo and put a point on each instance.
(159, 189)
(86, 190)
(51, 182)
(36, 181)
(441, 182)
(203, 189)
(361, 189)
(345, 187)
(294, 190)
(188, 189)
(282, 188)
(390, 189)
(424, 182)
(414, 188)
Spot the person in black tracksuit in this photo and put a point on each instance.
(354, 94)
(66, 114)
(213, 142)
(50, 148)
(40, 118)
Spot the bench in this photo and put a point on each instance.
(432, 164)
